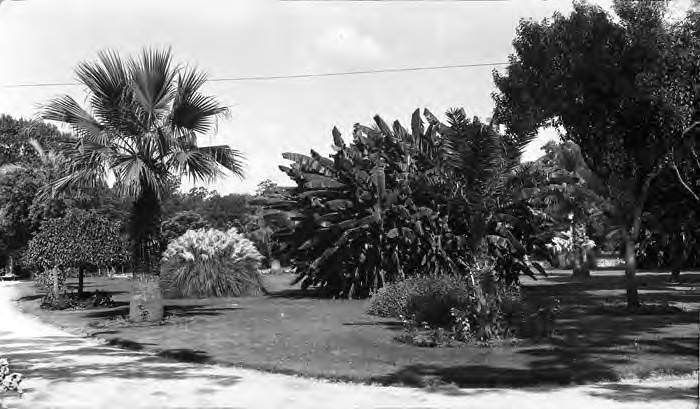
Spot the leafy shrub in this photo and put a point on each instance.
(63, 301)
(52, 301)
(433, 298)
(211, 263)
(391, 300)
(477, 307)
(429, 298)
(100, 299)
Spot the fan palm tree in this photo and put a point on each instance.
(140, 130)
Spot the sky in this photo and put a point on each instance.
(41, 41)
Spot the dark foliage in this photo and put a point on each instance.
(394, 203)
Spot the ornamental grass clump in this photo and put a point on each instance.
(211, 263)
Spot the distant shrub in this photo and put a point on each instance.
(211, 263)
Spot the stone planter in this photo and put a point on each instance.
(146, 300)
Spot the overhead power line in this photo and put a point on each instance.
(291, 76)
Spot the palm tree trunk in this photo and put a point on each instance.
(146, 302)
(145, 233)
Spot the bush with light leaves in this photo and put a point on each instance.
(211, 263)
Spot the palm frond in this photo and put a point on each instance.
(85, 165)
(110, 87)
(192, 110)
(199, 165)
(227, 157)
(137, 175)
(65, 109)
(152, 83)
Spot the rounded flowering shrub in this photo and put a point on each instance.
(211, 263)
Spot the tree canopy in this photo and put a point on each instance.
(81, 239)
(618, 89)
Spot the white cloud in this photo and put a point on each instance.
(346, 45)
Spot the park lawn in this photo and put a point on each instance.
(284, 332)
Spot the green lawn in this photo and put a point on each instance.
(336, 339)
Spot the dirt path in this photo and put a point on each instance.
(65, 371)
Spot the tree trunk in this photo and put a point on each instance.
(680, 253)
(56, 287)
(631, 236)
(81, 278)
(580, 267)
(631, 272)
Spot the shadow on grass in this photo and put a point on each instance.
(31, 297)
(186, 355)
(128, 344)
(590, 343)
(469, 376)
(195, 310)
(297, 293)
(122, 311)
(390, 325)
(109, 313)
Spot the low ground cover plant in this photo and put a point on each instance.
(211, 263)
(72, 300)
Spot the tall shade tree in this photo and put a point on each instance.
(141, 126)
(617, 91)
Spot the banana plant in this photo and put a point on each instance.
(394, 202)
